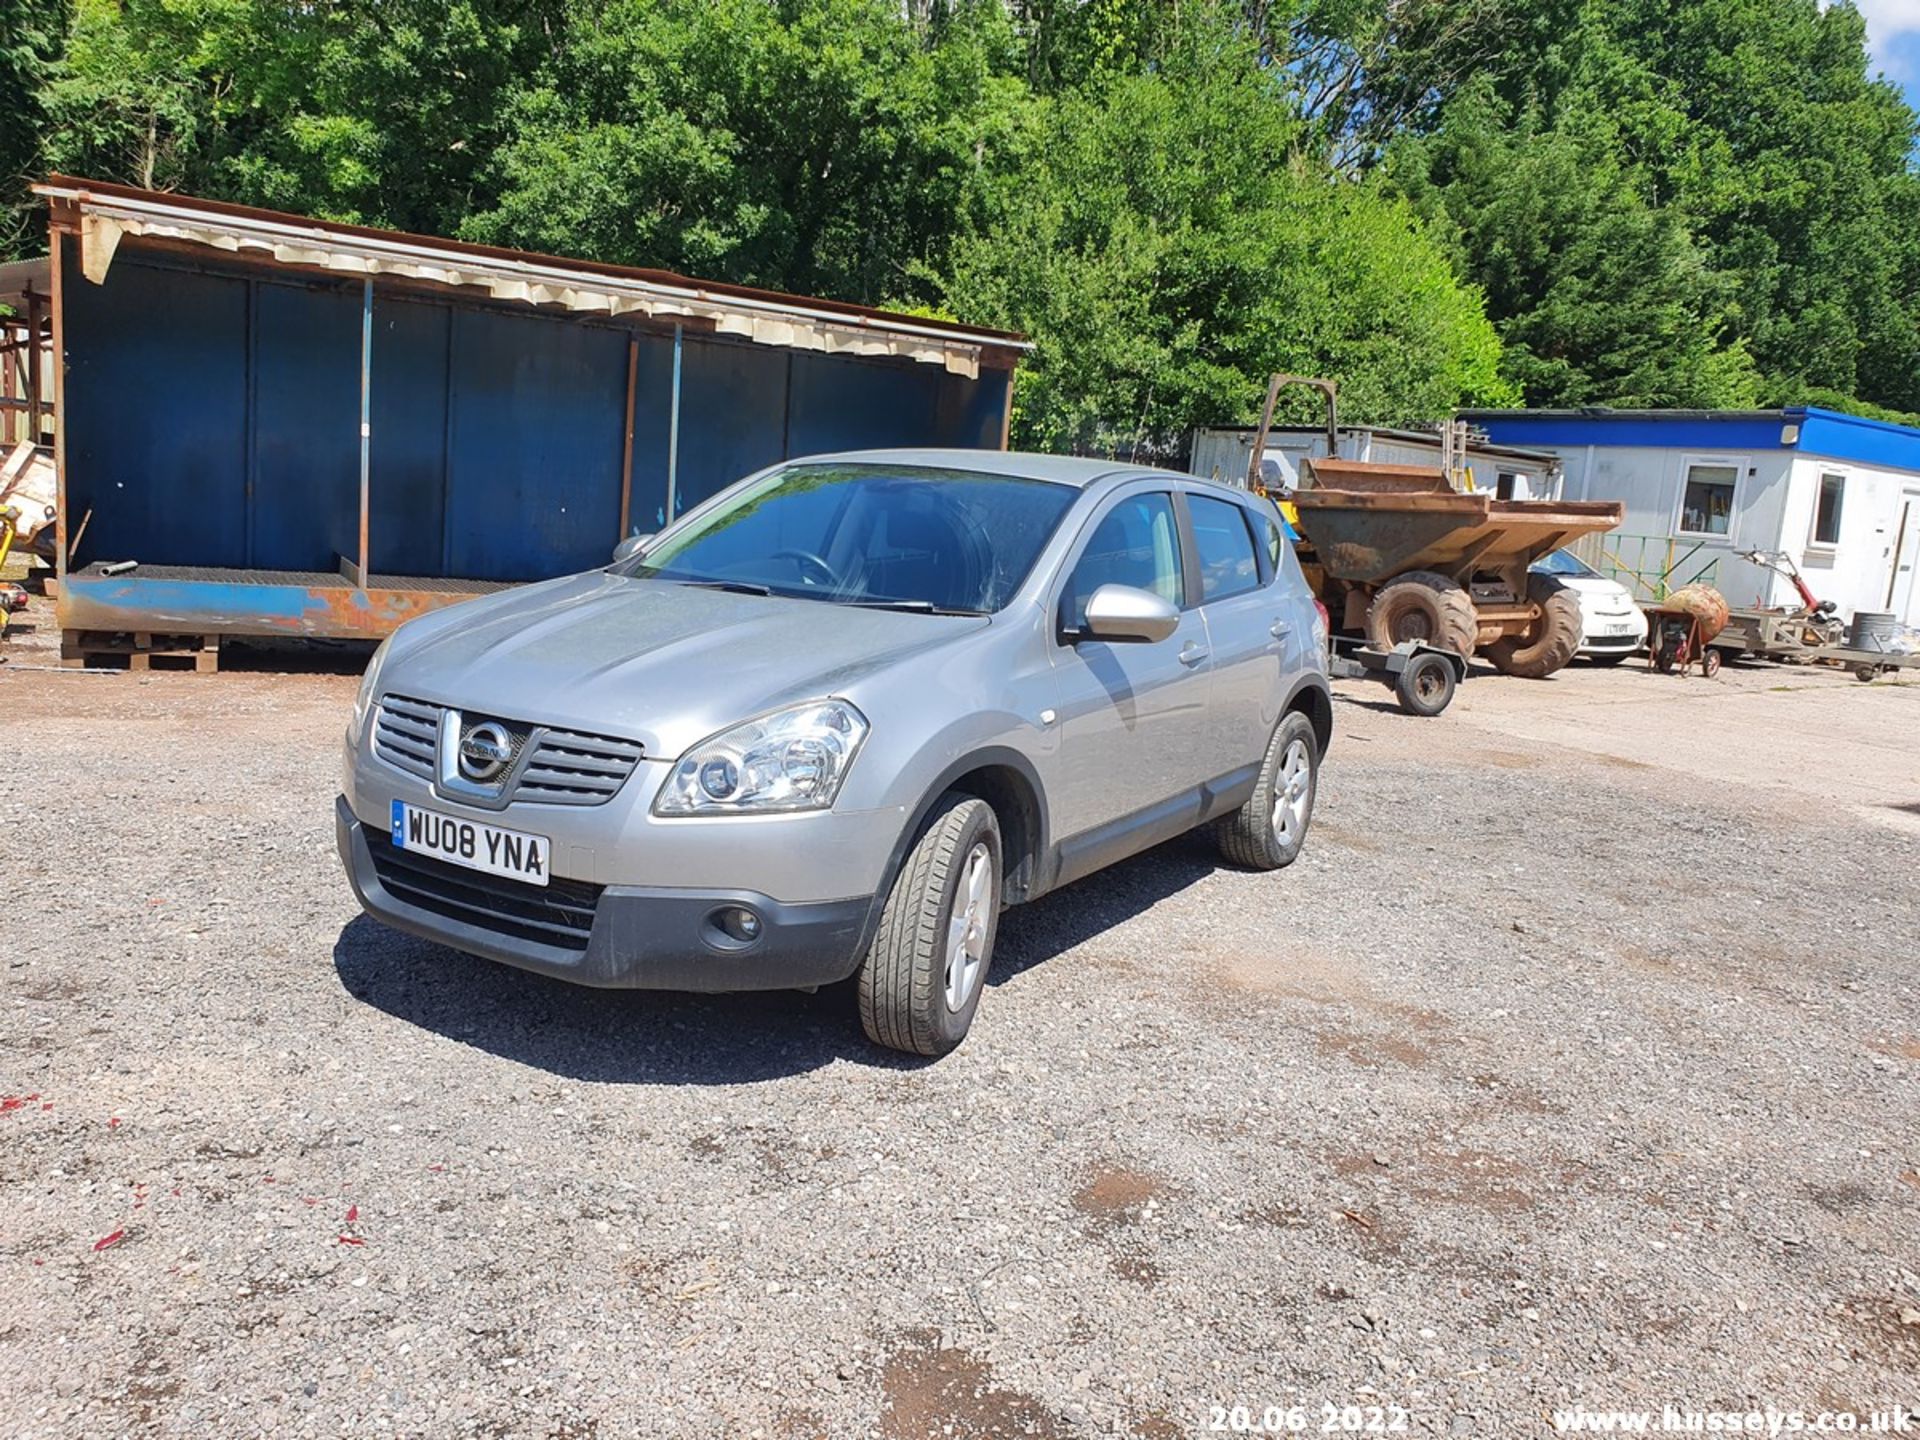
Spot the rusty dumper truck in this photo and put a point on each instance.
(1397, 553)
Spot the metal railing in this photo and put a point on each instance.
(1651, 566)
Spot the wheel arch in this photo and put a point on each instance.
(1312, 696)
(1007, 781)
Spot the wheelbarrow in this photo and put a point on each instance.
(1681, 630)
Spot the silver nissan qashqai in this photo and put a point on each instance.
(833, 720)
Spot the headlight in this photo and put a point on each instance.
(792, 760)
(369, 687)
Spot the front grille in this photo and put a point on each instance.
(407, 734)
(560, 914)
(567, 767)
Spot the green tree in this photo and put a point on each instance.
(1739, 151)
(379, 113)
(32, 38)
(1601, 297)
(821, 146)
(1166, 254)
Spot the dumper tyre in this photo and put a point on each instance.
(1423, 605)
(1554, 639)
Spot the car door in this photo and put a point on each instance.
(1132, 713)
(1254, 627)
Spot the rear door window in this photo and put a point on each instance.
(1228, 564)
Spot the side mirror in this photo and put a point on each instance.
(630, 547)
(1123, 612)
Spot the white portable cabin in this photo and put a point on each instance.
(1837, 493)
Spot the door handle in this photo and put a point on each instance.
(1193, 654)
(1280, 629)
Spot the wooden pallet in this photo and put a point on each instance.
(94, 649)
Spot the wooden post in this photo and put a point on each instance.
(33, 367)
(626, 448)
(673, 431)
(366, 419)
(60, 226)
(1006, 413)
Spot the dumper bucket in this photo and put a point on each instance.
(1368, 537)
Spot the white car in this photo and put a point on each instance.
(1612, 626)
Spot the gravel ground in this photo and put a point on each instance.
(1560, 1070)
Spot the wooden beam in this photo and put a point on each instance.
(366, 420)
(626, 447)
(58, 238)
(33, 367)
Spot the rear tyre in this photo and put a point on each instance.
(1551, 643)
(921, 981)
(1269, 830)
(1423, 605)
(1425, 687)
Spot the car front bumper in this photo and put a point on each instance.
(613, 936)
(1595, 641)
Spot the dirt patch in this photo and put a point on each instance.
(1510, 759)
(1325, 833)
(1475, 1178)
(1118, 1204)
(930, 1392)
(1277, 1216)
(1887, 1329)
(1517, 1097)
(1368, 1051)
(1907, 1048)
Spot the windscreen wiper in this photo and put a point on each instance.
(732, 587)
(917, 607)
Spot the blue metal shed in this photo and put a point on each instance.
(317, 429)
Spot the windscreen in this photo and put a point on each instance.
(908, 537)
(1561, 562)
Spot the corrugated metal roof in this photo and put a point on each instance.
(19, 276)
(108, 212)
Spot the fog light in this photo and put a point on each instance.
(740, 924)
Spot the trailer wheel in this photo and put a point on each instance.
(1422, 605)
(1425, 687)
(1552, 642)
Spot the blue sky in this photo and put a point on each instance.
(1893, 31)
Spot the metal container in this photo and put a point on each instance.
(1873, 630)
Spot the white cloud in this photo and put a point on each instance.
(1892, 28)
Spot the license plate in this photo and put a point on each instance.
(1626, 629)
(510, 854)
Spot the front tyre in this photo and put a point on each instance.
(921, 981)
(1269, 830)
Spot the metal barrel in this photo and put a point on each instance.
(1873, 630)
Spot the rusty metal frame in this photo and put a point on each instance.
(1328, 388)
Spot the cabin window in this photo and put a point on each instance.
(1826, 510)
(1707, 506)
